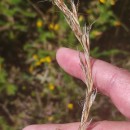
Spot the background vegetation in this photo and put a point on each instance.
(33, 88)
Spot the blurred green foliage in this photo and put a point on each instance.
(33, 89)
(6, 87)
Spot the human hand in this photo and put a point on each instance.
(109, 80)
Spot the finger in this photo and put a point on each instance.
(110, 80)
(104, 125)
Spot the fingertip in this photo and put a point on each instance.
(69, 60)
(61, 52)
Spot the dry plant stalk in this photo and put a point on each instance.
(82, 34)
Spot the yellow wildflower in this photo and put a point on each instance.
(103, 1)
(113, 2)
(48, 59)
(39, 23)
(117, 23)
(31, 69)
(50, 118)
(56, 27)
(51, 26)
(70, 106)
(45, 59)
(42, 60)
(51, 87)
(35, 57)
(96, 33)
(38, 63)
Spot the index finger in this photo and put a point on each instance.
(110, 80)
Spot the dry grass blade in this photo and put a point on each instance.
(82, 34)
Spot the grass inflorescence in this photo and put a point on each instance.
(82, 34)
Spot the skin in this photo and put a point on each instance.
(111, 81)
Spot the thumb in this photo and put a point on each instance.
(102, 125)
